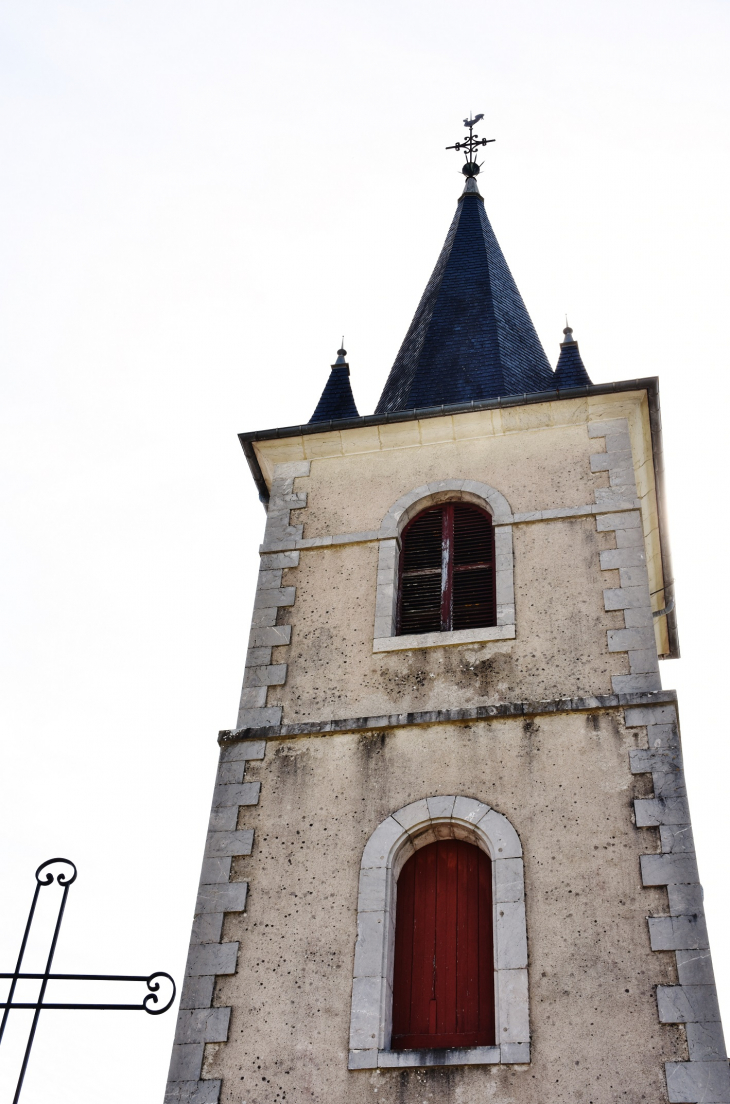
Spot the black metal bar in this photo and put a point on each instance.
(19, 963)
(66, 885)
(83, 977)
(118, 1007)
(151, 980)
(39, 883)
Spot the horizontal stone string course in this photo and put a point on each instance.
(448, 716)
(706, 1077)
(198, 1021)
(367, 535)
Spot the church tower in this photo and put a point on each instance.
(450, 855)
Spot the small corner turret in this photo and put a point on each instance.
(570, 370)
(337, 400)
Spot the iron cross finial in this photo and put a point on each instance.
(469, 146)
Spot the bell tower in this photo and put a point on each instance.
(450, 853)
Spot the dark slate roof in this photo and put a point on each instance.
(337, 399)
(570, 370)
(471, 337)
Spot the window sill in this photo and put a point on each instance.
(444, 639)
(506, 1054)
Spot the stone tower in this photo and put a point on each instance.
(450, 855)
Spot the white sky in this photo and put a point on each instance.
(197, 200)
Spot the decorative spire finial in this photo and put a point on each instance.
(568, 332)
(341, 354)
(469, 146)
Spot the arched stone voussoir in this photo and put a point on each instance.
(429, 494)
(469, 810)
(504, 843)
(441, 817)
(384, 844)
(415, 817)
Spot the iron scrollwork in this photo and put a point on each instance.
(470, 145)
(65, 879)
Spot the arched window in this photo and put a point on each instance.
(381, 903)
(443, 977)
(447, 571)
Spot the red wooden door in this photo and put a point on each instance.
(443, 978)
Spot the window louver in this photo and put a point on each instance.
(447, 571)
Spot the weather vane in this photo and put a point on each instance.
(470, 166)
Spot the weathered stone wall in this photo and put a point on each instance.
(562, 616)
(511, 433)
(566, 785)
(574, 611)
(265, 1014)
(559, 651)
(541, 469)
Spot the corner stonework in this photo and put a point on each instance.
(629, 557)
(198, 1022)
(276, 555)
(706, 1077)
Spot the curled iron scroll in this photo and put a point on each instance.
(62, 878)
(152, 998)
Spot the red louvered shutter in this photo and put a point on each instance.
(447, 571)
(473, 602)
(420, 589)
(443, 979)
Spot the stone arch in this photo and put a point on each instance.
(390, 845)
(441, 490)
(393, 524)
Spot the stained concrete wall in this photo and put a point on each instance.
(536, 455)
(565, 784)
(539, 469)
(563, 780)
(560, 649)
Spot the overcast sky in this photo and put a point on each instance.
(197, 200)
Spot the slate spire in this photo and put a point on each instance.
(570, 370)
(337, 399)
(471, 337)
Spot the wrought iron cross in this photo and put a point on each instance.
(153, 984)
(470, 145)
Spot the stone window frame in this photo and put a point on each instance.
(398, 837)
(400, 513)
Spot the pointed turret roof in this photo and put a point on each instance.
(570, 370)
(337, 400)
(471, 337)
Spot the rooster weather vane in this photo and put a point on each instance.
(469, 146)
